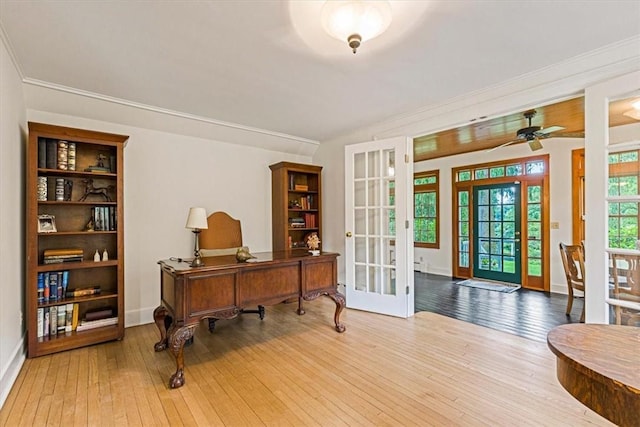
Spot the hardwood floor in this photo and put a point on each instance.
(529, 314)
(296, 370)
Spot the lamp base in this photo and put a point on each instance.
(197, 262)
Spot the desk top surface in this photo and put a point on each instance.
(229, 261)
(604, 352)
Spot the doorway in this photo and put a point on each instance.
(496, 231)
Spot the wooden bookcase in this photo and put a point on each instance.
(82, 221)
(296, 204)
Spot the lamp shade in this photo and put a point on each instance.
(367, 19)
(197, 219)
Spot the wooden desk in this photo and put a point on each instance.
(223, 287)
(600, 366)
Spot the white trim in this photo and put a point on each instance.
(5, 39)
(120, 101)
(142, 316)
(11, 371)
(623, 146)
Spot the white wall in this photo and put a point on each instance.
(164, 175)
(12, 212)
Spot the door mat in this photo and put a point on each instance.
(490, 286)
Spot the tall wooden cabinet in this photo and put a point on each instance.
(74, 238)
(296, 204)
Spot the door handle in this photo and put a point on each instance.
(349, 234)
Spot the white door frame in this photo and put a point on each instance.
(400, 301)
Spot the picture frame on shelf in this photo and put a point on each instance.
(47, 224)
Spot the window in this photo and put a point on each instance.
(425, 216)
(624, 170)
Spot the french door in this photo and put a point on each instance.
(379, 232)
(496, 231)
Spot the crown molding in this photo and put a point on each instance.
(151, 108)
(553, 83)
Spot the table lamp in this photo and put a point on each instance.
(196, 221)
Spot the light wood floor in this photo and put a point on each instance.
(296, 370)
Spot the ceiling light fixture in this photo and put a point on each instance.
(355, 21)
(635, 112)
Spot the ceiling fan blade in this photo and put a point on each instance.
(513, 141)
(535, 144)
(548, 130)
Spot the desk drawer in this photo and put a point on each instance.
(208, 293)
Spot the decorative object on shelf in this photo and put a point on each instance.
(313, 243)
(68, 189)
(90, 225)
(42, 188)
(355, 21)
(99, 167)
(105, 255)
(243, 255)
(47, 224)
(196, 221)
(96, 256)
(90, 189)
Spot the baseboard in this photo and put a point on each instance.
(10, 373)
(138, 317)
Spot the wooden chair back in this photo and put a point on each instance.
(223, 232)
(625, 272)
(573, 263)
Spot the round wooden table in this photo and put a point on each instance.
(600, 366)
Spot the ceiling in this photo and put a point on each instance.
(268, 65)
(483, 135)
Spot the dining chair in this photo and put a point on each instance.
(573, 263)
(625, 272)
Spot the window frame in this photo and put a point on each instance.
(427, 188)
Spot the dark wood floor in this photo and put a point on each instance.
(529, 314)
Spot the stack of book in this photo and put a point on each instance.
(296, 222)
(57, 320)
(104, 218)
(52, 286)
(97, 319)
(54, 256)
(54, 154)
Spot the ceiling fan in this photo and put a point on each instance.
(531, 134)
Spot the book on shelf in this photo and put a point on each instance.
(63, 251)
(63, 154)
(52, 286)
(46, 322)
(40, 315)
(51, 154)
(101, 313)
(69, 320)
(83, 292)
(91, 324)
(53, 321)
(74, 316)
(71, 157)
(62, 318)
(57, 260)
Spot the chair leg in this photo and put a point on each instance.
(569, 302)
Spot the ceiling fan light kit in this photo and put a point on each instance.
(355, 21)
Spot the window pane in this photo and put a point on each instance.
(534, 194)
(481, 173)
(535, 167)
(463, 198)
(496, 172)
(464, 176)
(514, 170)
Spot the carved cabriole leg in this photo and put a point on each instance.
(340, 301)
(177, 338)
(338, 298)
(159, 315)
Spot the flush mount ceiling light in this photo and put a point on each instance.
(355, 21)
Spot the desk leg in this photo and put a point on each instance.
(161, 318)
(337, 297)
(340, 301)
(177, 338)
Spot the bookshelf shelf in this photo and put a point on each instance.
(77, 265)
(297, 199)
(88, 298)
(85, 209)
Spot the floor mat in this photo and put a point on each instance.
(490, 286)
